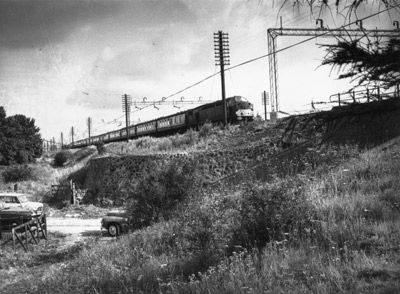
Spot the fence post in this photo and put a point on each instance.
(338, 98)
(13, 235)
(26, 237)
(45, 225)
(367, 94)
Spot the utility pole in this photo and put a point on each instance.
(62, 140)
(221, 47)
(265, 102)
(126, 108)
(89, 124)
(72, 135)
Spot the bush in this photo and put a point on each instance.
(276, 212)
(18, 173)
(101, 149)
(60, 158)
(160, 191)
(205, 130)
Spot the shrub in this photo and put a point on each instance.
(189, 138)
(275, 212)
(101, 149)
(158, 193)
(61, 157)
(83, 153)
(144, 142)
(205, 130)
(18, 173)
(164, 144)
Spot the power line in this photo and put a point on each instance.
(309, 39)
(261, 57)
(277, 51)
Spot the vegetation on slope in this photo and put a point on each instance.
(209, 137)
(329, 229)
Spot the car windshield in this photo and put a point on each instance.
(8, 199)
(22, 198)
(13, 198)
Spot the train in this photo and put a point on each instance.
(238, 109)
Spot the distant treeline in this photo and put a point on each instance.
(20, 141)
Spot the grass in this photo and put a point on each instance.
(339, 234)
(326, 221)
(44, 174)
(208, 137)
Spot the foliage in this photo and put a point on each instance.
(354, 248)
(349, 6)
(60, 158)
(20, 141)
(373, 64)
(205, 130)
(101, 149)
(18, 173)
(275, 212)
(160, 190)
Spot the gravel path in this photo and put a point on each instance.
(75, 229)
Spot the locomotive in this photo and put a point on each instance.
(237, 107)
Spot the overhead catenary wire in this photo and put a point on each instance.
(277, 51)
(261, 57)
(309, 39)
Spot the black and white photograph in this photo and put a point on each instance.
(200, 146)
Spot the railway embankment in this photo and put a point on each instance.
(259, 150)
(311, 215)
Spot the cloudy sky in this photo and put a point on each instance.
(63, 61)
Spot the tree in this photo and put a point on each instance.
(380, 65)
(20, 141)
(374, 61)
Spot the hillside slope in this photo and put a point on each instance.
(266, 149)
(307, 217)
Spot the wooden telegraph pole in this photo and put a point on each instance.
(265, 102)
(126, 108)
(72, 135)
(89, 125)
(221, 47)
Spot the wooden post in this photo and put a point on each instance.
(13, 236)
(26, 237)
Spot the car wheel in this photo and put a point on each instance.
(113, 230)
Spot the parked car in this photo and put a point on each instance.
(12, 200)
(116, 222)
(13, 216)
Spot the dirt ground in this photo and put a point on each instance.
(66, 236)
(75, 229)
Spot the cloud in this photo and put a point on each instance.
(31, 23)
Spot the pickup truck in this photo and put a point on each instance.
(116, 222)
